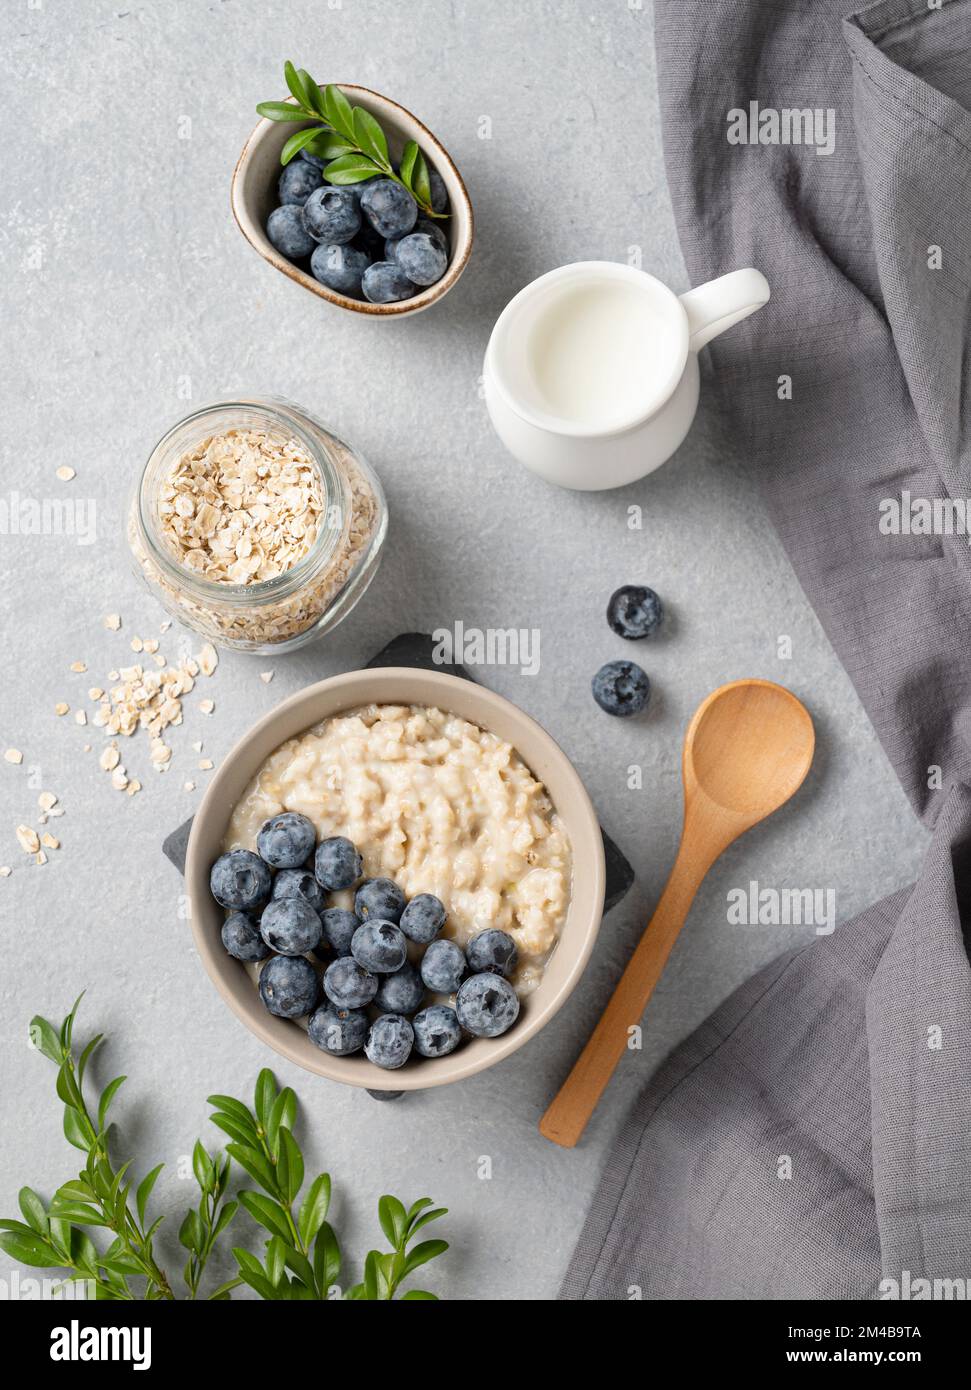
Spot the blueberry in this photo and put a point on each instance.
(423, 918)
(379, 946)
(442, 967)
(390, 209)
(379, 897)
(400, 992)
(424, 224)
(337, 864)
(421, 258)
(240, 879)
(340, 268)
(385, 283)
(492, 950)
(332, 214)
(286, 840)
(241, 937)
(339, 927)
(486, 1005)
(298, 181)
(299, 883)
(634, 611)
(288, 986)
(437, 1031)
(371, 242)
(389, 1042)
(439, 191)
(348, 985)
(290, 926)
(338, 1031)
(621, 687)
(286, 232)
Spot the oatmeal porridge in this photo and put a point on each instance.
(436, 804)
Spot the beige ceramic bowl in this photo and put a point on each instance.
(254, 198)
(399, 685)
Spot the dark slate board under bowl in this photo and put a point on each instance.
(415, 649)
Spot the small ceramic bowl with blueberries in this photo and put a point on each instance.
(367, 246)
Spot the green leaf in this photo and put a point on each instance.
(296, 84)
(33, 1210)
(413, 1295)
(283, 1112)
(226, 1214)
(420, 1221)
(67, 1027)
(255, 1164)
(190, 1232)
(79, 1212)
(265, 1096)
(87, 1054)
(327, 1257)
(291, 1180)
(427, 1250)
(298, 141)
(66, 1084)
(144, 1191)
(221, 1295)
(355, 1293)
(260, 1283)
(337, 110)
(121, 1263)
(371, 138)
(371, 1276)
(314, 1210)
(248, 1262)
(419, 182)
(301, 1267)
(350, 168)
(76, 1129)
(276, 1256)
(394, 1221)
(314, 94)
(327, 145)
(202, 1167)
(28, 1248)
(280, 111)
(43, 1036)
(245, 1133)
(408, 156)
(267, 1212)
(76, 1190)
(234, 1108)
(107, 1096)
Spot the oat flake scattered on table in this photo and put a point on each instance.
(14, 755)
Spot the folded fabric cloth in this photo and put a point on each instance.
(813, 1138)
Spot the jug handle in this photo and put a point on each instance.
(713, 307)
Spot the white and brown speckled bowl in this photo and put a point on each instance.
(254, 198)
(399, 685)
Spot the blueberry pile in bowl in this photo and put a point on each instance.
(365, 240)
(380, 977)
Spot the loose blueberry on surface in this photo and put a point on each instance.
(332, 214)
(380, 898)
(286, 840)
(299, 883)
(389, 1042)
(386, 283)
(384, 1095)
(379, 946)
(621, 687)
(337, 864)
(492, 950)
(442, 967)
(401, 992)
(297, 182)
(340, 268)
(240, 879)
(634, 611)
(290, 926)
(421, 258)
(241, 938)
(286, 232)
(437, 1031)
(348, 985)
(338, 1031)
(486, 1005)
(423, 918)
(339, 928)
(439, 191)
(390, 209)
(288, 986)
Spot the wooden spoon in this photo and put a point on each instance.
(747, 750)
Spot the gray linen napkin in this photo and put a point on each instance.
(847, 1064)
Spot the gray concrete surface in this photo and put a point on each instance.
(127, 287)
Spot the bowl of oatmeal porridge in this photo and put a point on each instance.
(443, 787)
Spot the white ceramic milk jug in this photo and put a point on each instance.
(591, 373)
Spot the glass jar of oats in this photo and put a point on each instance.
(255, 525)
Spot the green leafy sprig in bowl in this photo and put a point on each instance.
(348, 138)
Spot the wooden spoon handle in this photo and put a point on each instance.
(576, 1100)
